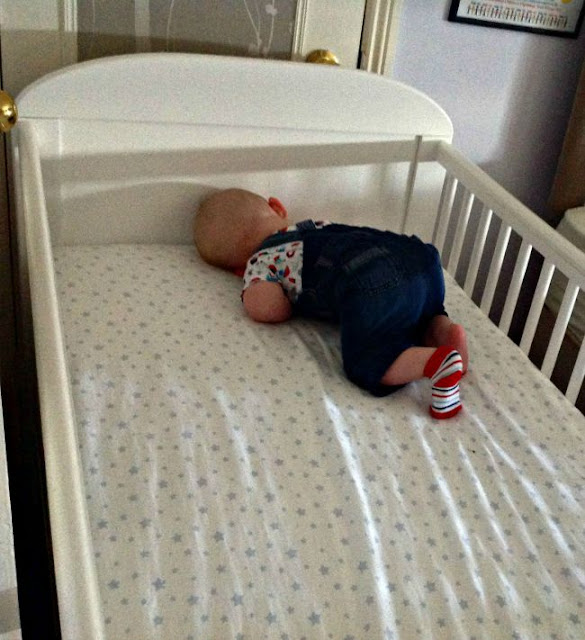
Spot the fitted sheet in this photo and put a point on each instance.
(238, 486)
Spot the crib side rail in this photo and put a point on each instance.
(72, 549)
(506, 258)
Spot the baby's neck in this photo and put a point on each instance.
(269, 228)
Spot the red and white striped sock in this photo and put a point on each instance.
(445, 369)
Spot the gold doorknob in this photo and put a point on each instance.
(8, 112)
(322, 56)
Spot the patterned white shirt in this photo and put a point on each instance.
(282, 263)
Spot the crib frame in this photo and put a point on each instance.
(472, 209)
(499, 210)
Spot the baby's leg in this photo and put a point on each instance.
(409, 366)
(443, 331)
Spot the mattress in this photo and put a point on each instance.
(238, 486)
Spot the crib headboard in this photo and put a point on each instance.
(130, 144)
(239, 92)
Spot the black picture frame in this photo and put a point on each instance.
(563, 19)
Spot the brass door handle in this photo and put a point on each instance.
(322, 56)
(8, 112)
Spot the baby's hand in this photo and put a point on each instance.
(266, 301)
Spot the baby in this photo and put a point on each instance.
(385, 290)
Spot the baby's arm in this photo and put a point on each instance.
(266, 301)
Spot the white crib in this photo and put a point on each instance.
(213, 478)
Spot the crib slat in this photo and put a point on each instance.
(478, 247)
(536, 306)
(560, 327)
(577, 376)
(566, 256)
(515, 285)
(410, 183)
(462, 222)
(444, 215)
(495, 268)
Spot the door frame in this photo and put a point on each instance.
(380, 35)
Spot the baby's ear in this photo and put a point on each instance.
(278, 207)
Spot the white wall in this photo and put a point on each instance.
(509, 93)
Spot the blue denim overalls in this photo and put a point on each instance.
(382, 288)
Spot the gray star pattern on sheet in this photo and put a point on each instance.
(271, 499)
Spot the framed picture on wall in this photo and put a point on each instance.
(548, 17)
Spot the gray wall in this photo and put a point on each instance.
(508, 93)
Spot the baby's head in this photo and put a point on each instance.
(230, 224)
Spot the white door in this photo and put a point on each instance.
(335, 25)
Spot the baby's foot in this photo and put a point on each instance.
(444, 368)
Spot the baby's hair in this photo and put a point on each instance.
(208, 220)
(223, 223)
